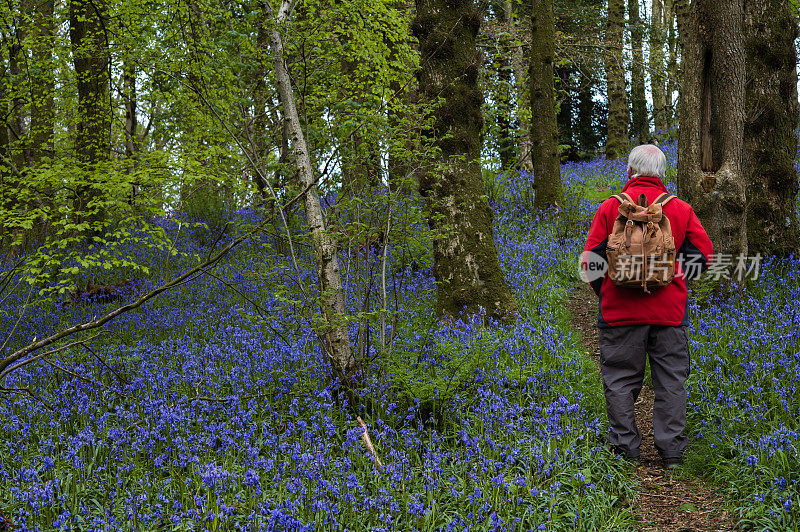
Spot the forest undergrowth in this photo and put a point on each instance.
(212, 408)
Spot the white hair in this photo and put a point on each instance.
(649, 160)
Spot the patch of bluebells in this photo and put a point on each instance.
(213, 415)
(743, 396)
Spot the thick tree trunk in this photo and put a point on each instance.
(617, 133)
(544, 129)
(466, 266)
(770, 134)
(88, 24)
(640, 123)
(710, 140)
(657, 81)
(334, 333)
(520, 68)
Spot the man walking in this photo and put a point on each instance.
(634, 322)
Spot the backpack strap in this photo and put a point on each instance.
(664, 198)
(621, 197)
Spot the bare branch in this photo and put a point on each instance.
(25, 362)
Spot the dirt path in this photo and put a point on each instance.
(668, 500)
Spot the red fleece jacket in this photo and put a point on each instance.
(666, 305)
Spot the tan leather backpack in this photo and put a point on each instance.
(641, 248)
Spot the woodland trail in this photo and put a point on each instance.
(668, 500)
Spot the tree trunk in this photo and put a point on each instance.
(657, 86)
(334, 333)
(617, 133)
(544, 129)
(88, 22)
(640, 123)
(520, 68)
(466, 266)
(770, 135)
(710, 139)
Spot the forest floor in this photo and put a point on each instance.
(668, 500)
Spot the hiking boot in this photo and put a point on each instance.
(672, 462)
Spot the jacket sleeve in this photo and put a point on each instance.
(696, 252)
(598, 237)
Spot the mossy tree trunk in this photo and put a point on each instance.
(466, 266)
(657, 79)
(770, 135)
(617, 133)
(88, 30)
(544, 128)
(640, 123)
(710, 139)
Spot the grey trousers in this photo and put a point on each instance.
(622, 363)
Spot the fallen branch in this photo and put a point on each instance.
(368, 442)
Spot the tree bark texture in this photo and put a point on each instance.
(770, 134)
(544, 128)
(519, 66)
(657, 79)
(640, 123)
(617, 133)
(710, 139)
(466, 266)
(88, 25)
(335, 335)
